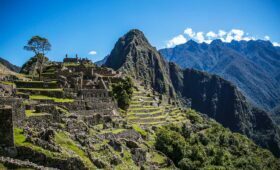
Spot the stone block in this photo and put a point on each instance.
(6, 126)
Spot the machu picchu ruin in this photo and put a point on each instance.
(127, 114)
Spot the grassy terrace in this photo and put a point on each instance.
(40, 89)
(141, 112)
(19, 81)
(57, 100)
(7, 83)
(30, 113)
(20, 140)
(114, 131)
(63, 139)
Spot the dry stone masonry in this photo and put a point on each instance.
(6, 126)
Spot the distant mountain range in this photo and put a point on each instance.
(9, 65)
(206, 93)
(253, 66)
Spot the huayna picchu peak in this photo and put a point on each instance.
(136, 111)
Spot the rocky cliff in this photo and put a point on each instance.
(206, 93)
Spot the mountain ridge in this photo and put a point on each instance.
(252, 66)
(205, 93)
(9, 65)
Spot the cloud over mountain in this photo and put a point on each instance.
(208, 37)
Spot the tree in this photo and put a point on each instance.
(122, 92)
(40, 46)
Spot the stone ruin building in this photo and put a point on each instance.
(80, 79)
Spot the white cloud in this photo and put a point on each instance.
(225, 36)
(267, 37)
(200, 37)
(180, 39)
(248, 38)
(211, 34)
(276, 44)
(189, 32)
(222, 33)
(92, 52)
(237, 34)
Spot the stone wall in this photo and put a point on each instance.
(18, 108)
(6, 126)
(93, 93)
(35, 84)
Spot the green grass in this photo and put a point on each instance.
(138, 129)
(40, 89)
(2, 167)
(114, 131)
(7, 82)
(128, 163)
(144, 113)
(20, 140)
(39, 82)
(30, 113)
(146, 108)
(57, 100)
(156, 157)
(70, 64)
(67, 143)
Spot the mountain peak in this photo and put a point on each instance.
(134, 55)
(135, 35)
(135, 32)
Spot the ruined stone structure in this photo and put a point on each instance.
(75, 60)
(6, 126)
(18, 111)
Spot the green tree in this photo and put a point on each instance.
(40, 46)
(172, 148)
(122, 92)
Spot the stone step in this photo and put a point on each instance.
(147, 120)
(147, 115)
(144, 109)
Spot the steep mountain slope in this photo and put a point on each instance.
(134, 55)
(252, 66)
(208, 94)
(9, 65)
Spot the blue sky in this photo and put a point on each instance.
(74, 26)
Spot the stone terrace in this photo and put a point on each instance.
(146, 109)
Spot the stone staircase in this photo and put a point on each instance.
(146, 109)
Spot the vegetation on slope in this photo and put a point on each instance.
(122, 92)
(207, 145)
